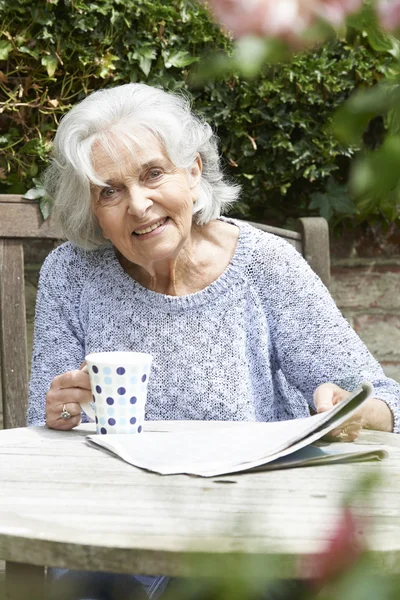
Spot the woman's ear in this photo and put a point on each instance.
(195, 172)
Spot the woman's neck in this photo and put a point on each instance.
(200, 262)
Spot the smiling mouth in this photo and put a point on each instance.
(150, 228)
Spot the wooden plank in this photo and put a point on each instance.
(15, 198)
(2, 579)
(24, 581)
(24, 220)
(315, 235)
(13, 343)
(284, 233)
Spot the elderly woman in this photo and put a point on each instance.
(239, 326)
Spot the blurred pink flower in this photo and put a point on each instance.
(389, 13)
(259, 17)
(342, 551)
(336, 11)
(279, 18)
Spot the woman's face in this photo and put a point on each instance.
(145, 209)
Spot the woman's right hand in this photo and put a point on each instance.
(69, 389)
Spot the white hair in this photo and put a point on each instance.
(120, 113)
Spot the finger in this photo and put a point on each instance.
(55, 399)
(54, 416)
(354, 423)
(339, 395)
(328, 395)
(343, 436)
(73, 408)
(323, 397)
(64, 424)
(71, 379)
(346, 433)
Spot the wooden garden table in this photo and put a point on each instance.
(65, 504)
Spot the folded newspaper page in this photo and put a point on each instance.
(223, 449)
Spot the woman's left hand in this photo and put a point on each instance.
(325, 397)
(372, 414)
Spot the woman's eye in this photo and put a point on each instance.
(154, 173)
(107, 192)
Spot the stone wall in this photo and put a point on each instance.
(367, 291)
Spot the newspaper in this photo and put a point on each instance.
(223, 449)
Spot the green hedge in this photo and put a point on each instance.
(274, 130)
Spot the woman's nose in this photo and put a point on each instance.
(139, 201)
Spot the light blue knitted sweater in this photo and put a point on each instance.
(253, 345)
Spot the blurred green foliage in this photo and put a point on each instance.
(274, 128)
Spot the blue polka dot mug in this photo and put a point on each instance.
(119, 387)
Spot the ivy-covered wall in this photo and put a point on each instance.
(274, 130)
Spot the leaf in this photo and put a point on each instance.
(5, 48)
(107, 65)
(393, 120)
(366, 23)
(377, 174)
(145, 64)
(321, 202)
(32, 147)
(352, 118)
(50, 62)
(31, 51)
(35, 193)
(180, 59)
(45, 207)
(252, 52)
(335, 200)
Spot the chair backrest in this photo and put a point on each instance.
(20, 220)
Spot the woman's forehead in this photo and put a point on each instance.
(115, 155)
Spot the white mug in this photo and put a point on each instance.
(119, 383)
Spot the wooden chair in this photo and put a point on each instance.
(20, 220)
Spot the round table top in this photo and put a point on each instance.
(64, 503)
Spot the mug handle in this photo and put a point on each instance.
(85, 406)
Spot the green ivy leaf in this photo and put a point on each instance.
(39, 193)
(106, 65)
(145, 64)
(180, 59)
(50, 62)
(45, 207)
(31, 51)
(5, 48)
(321, 202)
(335, 200)
(35, 193)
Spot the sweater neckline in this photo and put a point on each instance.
(213, 292)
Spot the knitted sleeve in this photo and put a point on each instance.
(313, 342)
(58, 338)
